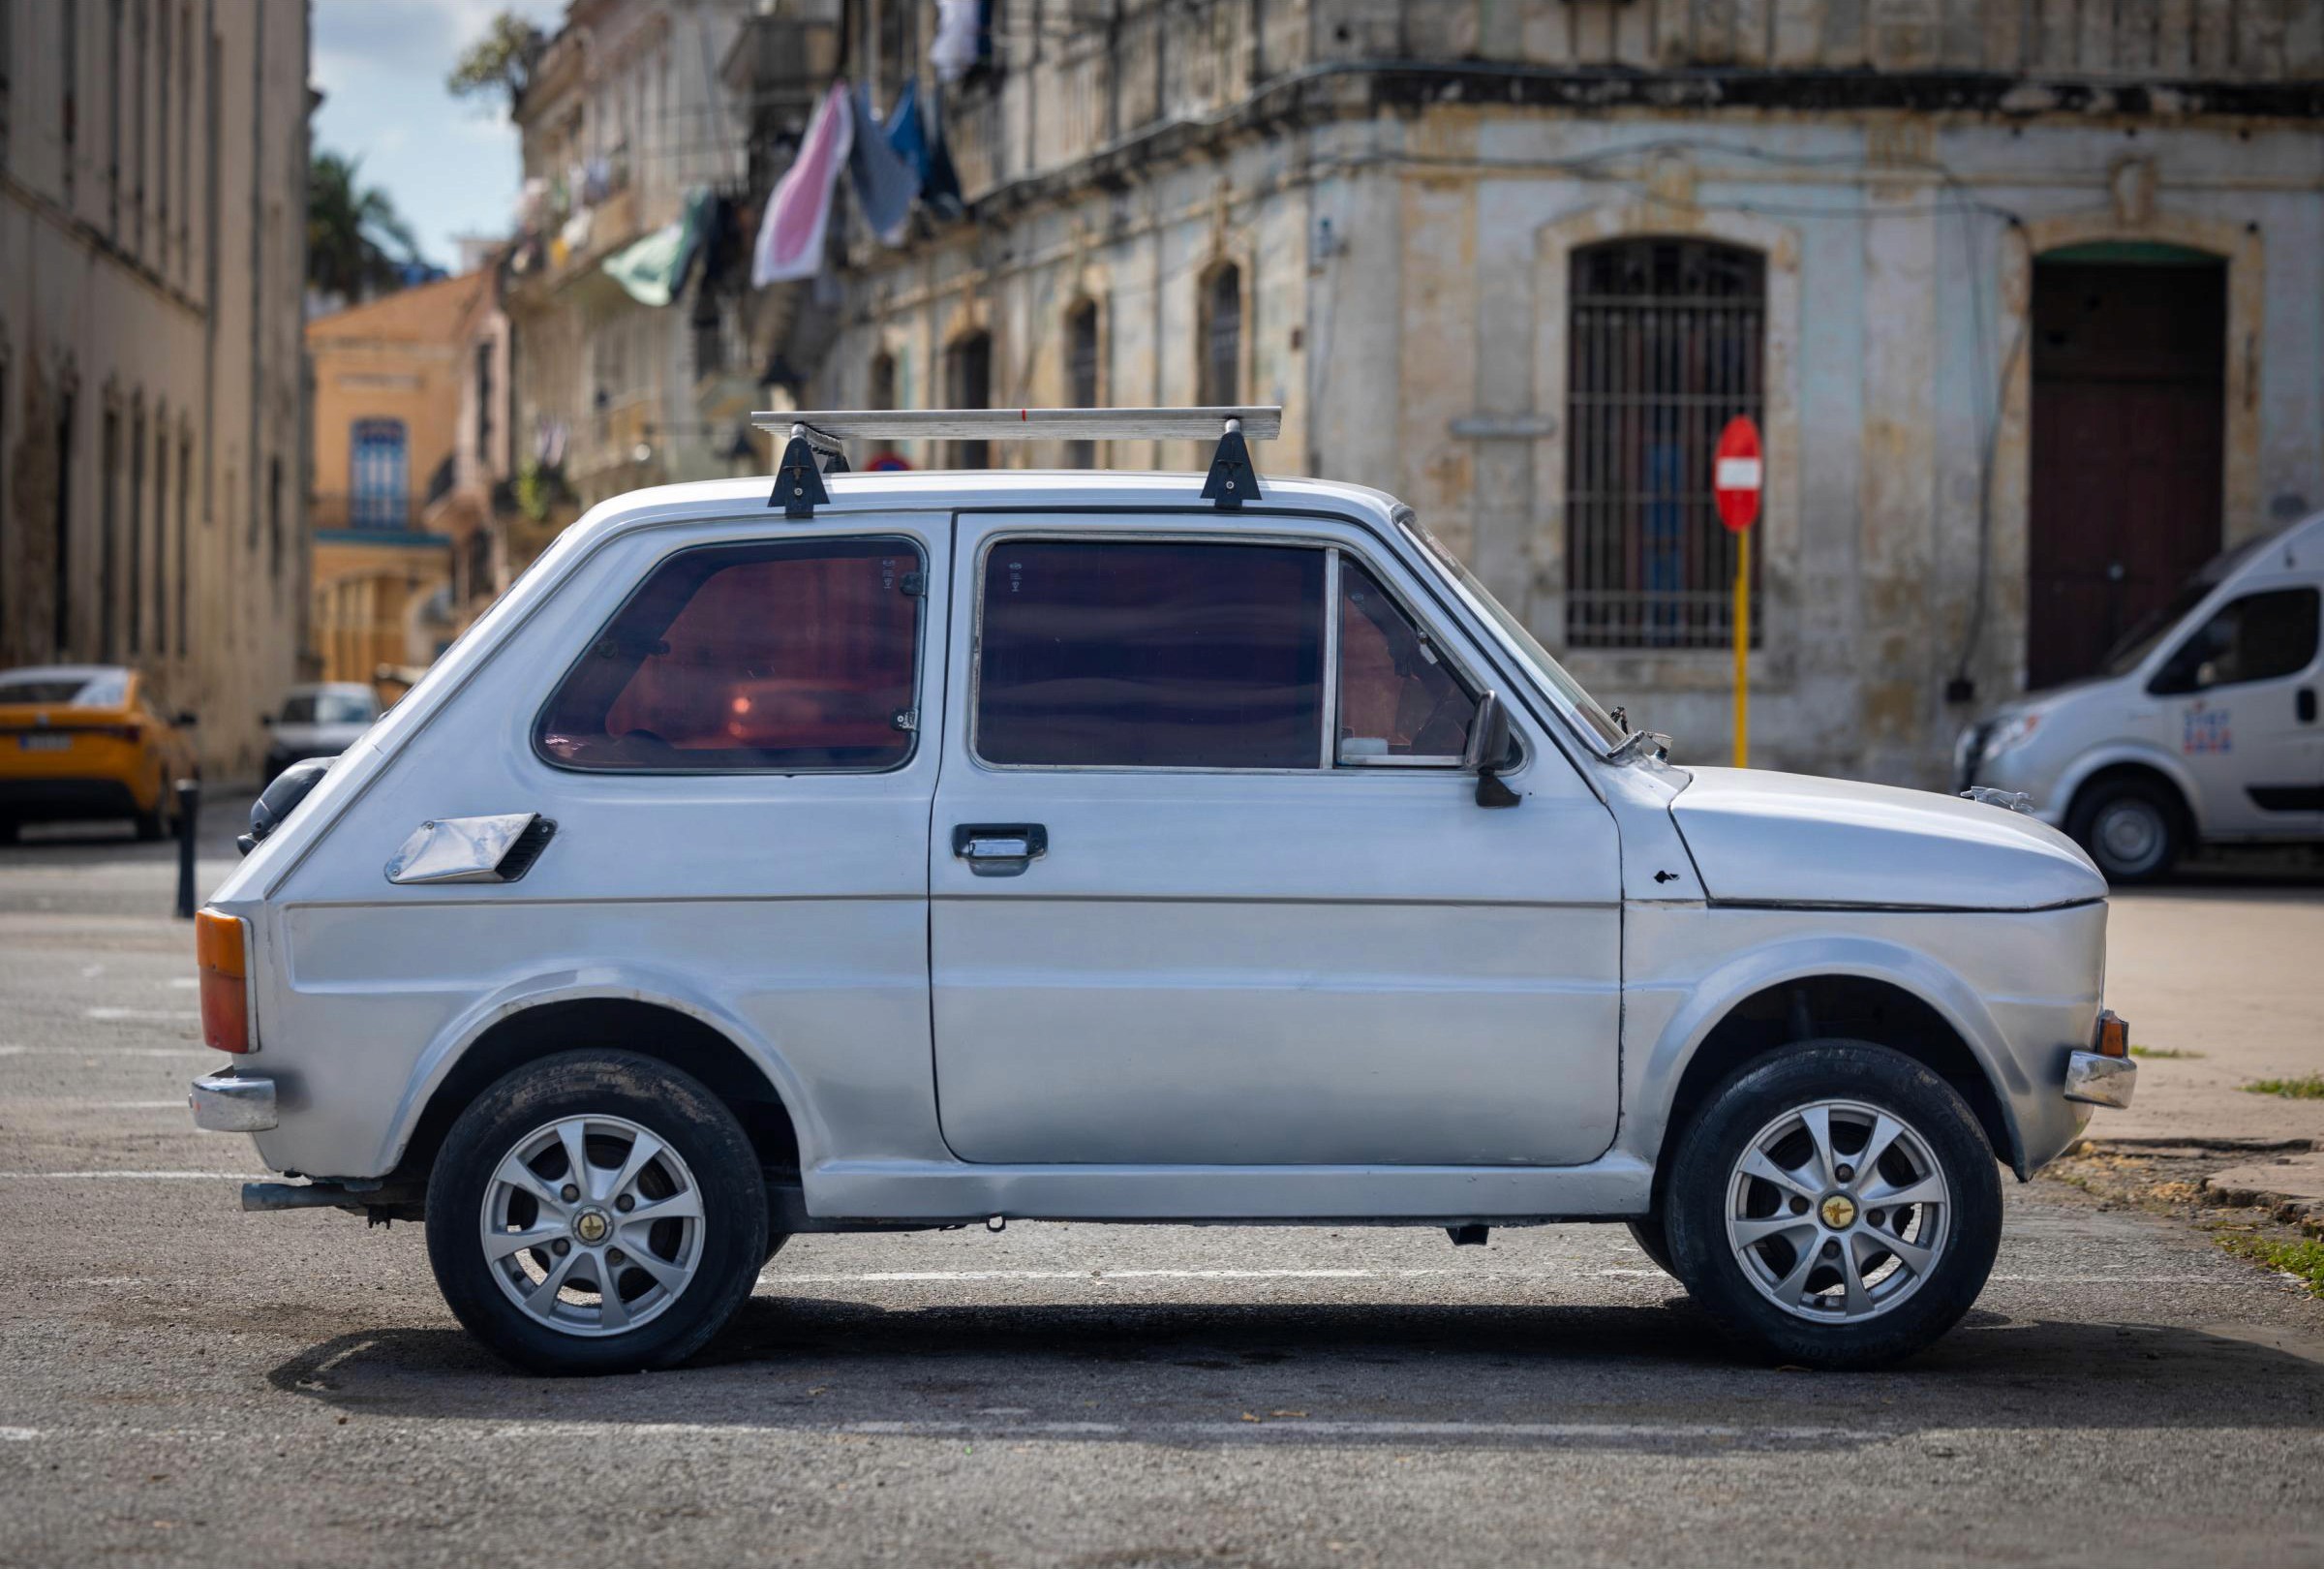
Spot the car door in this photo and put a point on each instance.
(1169, 925)
(2242, 691)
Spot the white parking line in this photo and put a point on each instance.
(778, 1277)
(143, 1015)
(200, 1052)
(20, 1436)
(130, 1176)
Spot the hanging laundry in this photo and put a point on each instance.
(791, 237)
(884, 183)
(654, 269)
(918, 138)
(958, 45)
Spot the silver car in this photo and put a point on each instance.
(2202, 728)
(941, 849)
(319, 721)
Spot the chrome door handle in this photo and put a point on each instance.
(999, 850)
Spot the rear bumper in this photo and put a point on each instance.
(2100, 1081)
(59, 799)
(230, 1104)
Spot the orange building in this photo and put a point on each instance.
(386, 425)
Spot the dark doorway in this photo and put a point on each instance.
(969, 384)
(2129, 441)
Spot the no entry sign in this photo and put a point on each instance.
(1736, 472)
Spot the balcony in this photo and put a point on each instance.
(390, 521)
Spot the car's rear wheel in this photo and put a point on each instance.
(596, 1211)
(2129, 826)
(1835, 1206)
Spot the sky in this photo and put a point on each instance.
(450, 166)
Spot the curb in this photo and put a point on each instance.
(2289, 1208)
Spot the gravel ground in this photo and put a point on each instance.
(182, 1382)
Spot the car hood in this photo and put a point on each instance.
(1762, 838)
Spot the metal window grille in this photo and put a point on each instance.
(1666, 343)
(1222, 338)
(1080, 375)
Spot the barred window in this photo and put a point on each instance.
(1222, 337)
(1666, 344)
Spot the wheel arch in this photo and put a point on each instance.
(547, 1016)
(2130, 762)
(1872, 992)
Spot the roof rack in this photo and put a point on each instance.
(814, 435)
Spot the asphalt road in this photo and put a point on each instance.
(183, 1382)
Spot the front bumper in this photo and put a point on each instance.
(2100, 1081)
(229, 1103)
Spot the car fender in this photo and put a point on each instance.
(2141, 754)
(1709, 1000)
(620, 982)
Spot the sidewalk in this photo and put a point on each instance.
(2232, 970)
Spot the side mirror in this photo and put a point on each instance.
(186, 718)
(1489, 751)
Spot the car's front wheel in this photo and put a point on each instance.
(1835, 1206)
(2130, 828)
(596, 1211)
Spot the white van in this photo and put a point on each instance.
(2201, 729)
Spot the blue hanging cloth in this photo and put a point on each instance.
(884, 182)
(919, 140)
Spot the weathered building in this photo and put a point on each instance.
(623, 117)
(2027, 295)
(387, 422)
(153, 168)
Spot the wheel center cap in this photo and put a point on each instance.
(592, 1226)
(1839, 1211)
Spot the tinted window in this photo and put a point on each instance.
(2255, 638)
(1397, 699)
(324, 708)
(1102, 654)
(769, 658)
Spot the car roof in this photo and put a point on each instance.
(992, 490)
(350, 689)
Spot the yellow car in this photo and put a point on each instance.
(88, 741)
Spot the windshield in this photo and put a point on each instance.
(1552, 674)
(2140, 640)
(105, 690)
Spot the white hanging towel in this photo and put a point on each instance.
(954, 51)
(790, 236)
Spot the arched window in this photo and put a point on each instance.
(1221, 379)
(1665, 342)
(1082, 389)
(378, 480)
(969, 384)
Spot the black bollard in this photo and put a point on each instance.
(189, 819)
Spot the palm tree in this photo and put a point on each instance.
(358, 244)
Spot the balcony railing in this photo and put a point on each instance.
(387, 516)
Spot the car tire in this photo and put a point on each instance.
(1647, 1232)
(678, 1272)
(154, 823)
(2130, 827)
(1770, 1256)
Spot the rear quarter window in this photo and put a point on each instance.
(767, 658)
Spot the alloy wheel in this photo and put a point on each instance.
(593, 1225)
(1838, 1211)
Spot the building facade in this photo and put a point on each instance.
(153, 168)
(2027, 298)
(623, 120)
(386, 423)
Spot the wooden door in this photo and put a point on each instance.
(2129, 373)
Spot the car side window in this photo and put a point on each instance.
(2257, 637)
(784, 657)
(1141, 654)
(1399, 704)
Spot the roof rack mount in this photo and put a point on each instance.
(814, 449)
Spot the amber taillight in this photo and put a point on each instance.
(221, 952)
